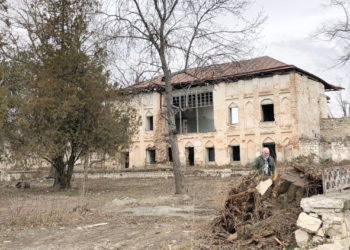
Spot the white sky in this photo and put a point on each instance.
(287, 35)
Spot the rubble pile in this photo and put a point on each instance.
(260, 213)
(324, 223)
(286, 211)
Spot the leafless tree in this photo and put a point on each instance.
(341, 105)
(170, 36)
(337, 31)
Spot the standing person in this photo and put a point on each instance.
(264, 163)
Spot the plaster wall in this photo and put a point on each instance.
(289, 96)
(311, 106)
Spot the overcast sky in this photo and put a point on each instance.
(287, 35)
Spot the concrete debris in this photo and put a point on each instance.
(330, 247)
(308, 223)
(263, 186)
(302, 237)
(320, 202)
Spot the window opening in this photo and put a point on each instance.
(149, 123)
(197, 115)
(151, 156)
(235, 153)
(190, 155)
(211, 154)
(267, 113)
(170, 154)
(126, 160)
(233, 115)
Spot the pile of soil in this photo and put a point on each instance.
(253, 221)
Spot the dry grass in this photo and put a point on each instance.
(42, 207)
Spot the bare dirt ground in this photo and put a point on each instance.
(111, 214)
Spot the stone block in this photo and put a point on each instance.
(336, 230)
(302, 238)
(308, 223)
(331, 246)
(329, 218)
(263, 186)
(344, 242)
(321, 202)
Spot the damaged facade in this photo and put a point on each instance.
(227, 117)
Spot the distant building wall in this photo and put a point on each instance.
(335, 128)
(335, 137)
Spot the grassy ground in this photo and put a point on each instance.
(137, 214)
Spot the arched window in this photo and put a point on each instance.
(149, 121)
(235, 151)
(233, 114)
(209, 151)
(267, 109)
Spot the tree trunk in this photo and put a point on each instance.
(173, 135)
(86, 166)
(60, 175)
(70, 170)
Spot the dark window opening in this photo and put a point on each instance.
(149, 123)
(190, 156)
(211, 154)
(272, 147)
(170, 154)
(267, 113)
(151, 156)
(126, 160)
(235, 153)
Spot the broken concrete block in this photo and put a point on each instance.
(336, 230)
(330, 247)
(308, 223)
(263, 186)
(328, 219)
(315, 203)
(344, 242)
(302, 237)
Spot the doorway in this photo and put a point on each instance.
(126, 160)
(190, 155)
(272, 147)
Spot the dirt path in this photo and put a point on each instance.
(132, 214)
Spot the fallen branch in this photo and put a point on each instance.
(257, 238)
(278, 241)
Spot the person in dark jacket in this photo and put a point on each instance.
(264, 163)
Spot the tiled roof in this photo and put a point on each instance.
(250, 67)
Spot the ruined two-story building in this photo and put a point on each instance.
(228, 112)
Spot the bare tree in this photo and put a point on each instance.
(171, 36)
(341, 105)
(337, 31)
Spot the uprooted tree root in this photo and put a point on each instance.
(252, 221)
